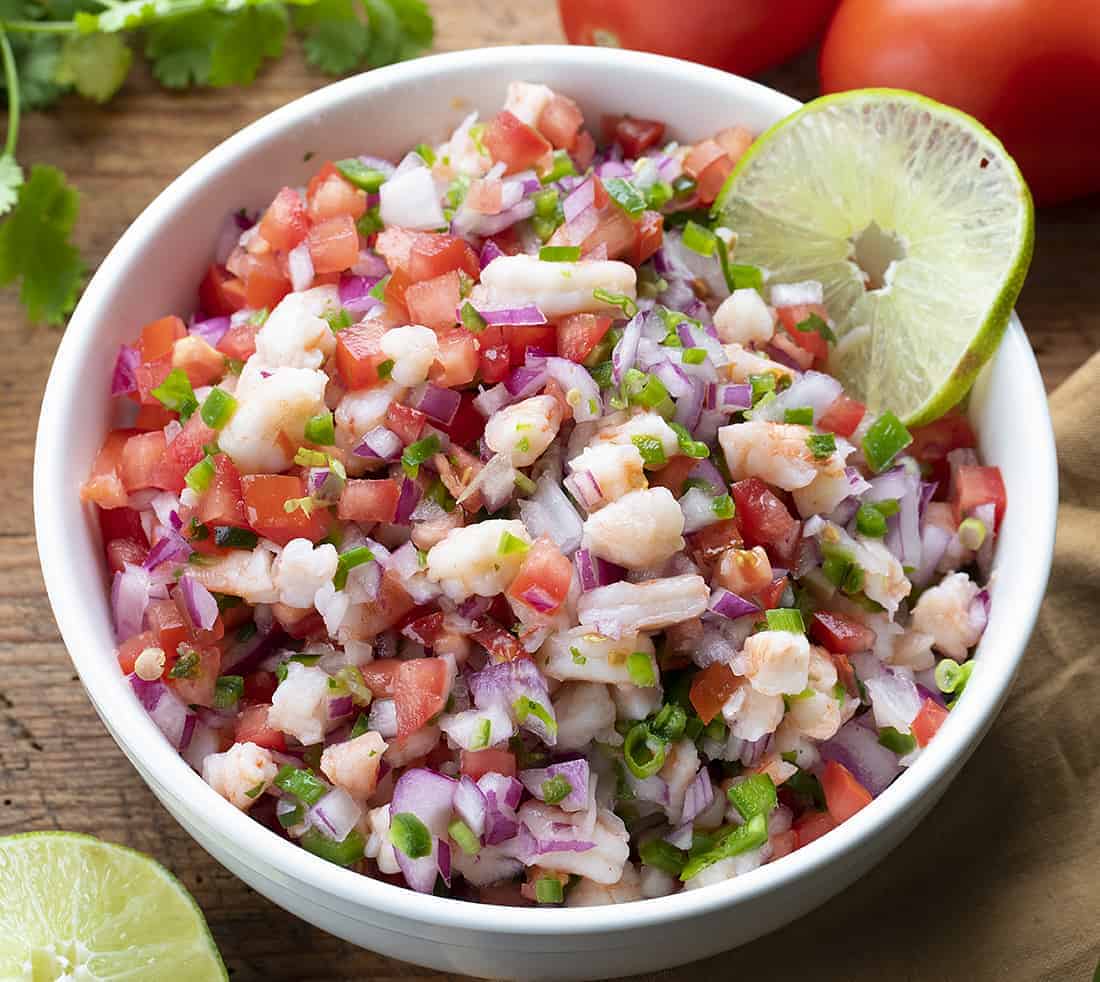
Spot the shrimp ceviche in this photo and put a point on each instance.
(489, 530)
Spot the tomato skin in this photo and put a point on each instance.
(121, 523)
(842, 416)
(122, 551)
(545, 574)
(149, 375)
(265, 283)
(260, 686)
(772, 594)
(813, 825)
(264, 496)
(157, 337)
(844, 795)
(1028, 71)
(197, 690)
(457, 361)
(406, 422)
(765, 521)
(560, 122)
(221, 293)
(520, 337)
(711, 688)
(974, 486)
(432, 254)
(186, 450)
(420, 692)
(104, 486)
(223, 502)
(501, 645)
(142, 458)
(368, 501)
(252, 727)
(710, 165)
(578, 334)
(380, 676)
(839, 634)
(493, 362)
(476, 763)
(358, 354)
(334, 197)
(649, 234)
(168, 624)
(928, 721)
(239, 341)
(635, 136)
(284, 224)
(468, 424)
(434, 302)
(512, 141)
(740, 36)
(333, 244)
(936, 440)
(790, 317)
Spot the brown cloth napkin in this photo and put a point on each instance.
(1002, 880)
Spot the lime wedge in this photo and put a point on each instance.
(915, 220)
(77, 908)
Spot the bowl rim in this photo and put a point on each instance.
(134, 732)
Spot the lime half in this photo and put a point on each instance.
(77, 908)
(916, 221)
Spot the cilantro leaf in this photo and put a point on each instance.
(96, 65)
(36, 60)
(34, 246)
(11, 179)
(399, 29)
(254, 33)
(179, 49)
(336, 40)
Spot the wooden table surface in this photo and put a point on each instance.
(59, 769)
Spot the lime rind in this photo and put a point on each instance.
(928, 173)
(73, 901)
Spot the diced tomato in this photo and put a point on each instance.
(560, 121)
(456, 363)
(542, 582)
(157, 337)
(434, 302)
(380, 676)
(578, 334)
(368, 501)
(936, 440)
(614, 231)
(121, 523)
(240, 341)
(221, 293)
(673, 475)
(425, 630)
(635, 136)
(434, 253)
(845, 673)
(406, 422)
(844, 795)
(149, 375)
(842, 416)
(253, 727)
(358, 354)
(366, 621)
(183, 453)
(420, 692)
(927, 722)
(791, 316)
(765, 521)
(770, 597)
(974, 486)
(520, 337)
(265, 282)
(104, 486)
(838, 633)
(813, 825)
(298, 623)
(197, 688)
(201, 363)
(323, 173)
(476, 763)
(493, 361)
(284, 224)
(334, 197)
(584, 150)
(394, 244)
(709, 543)
(711, 688)
(223, 502)
(468, 424)
(734, 141)
(796, 355)
(142, 457)
(334, 244)
(709, 164)
(264, 499)
(129, 650)
(168, 624)
(153, 418)
(501, 645)
(783, 844)
(121, 552)
(649, 233)
(260, 686)
(394, 295)
(513, 142)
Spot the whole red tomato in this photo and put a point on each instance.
(1028, 69)
(741, 36)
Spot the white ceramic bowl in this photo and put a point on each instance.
(153, 270)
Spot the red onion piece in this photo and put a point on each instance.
(407, 501)
(502, 684)
(690, 405)
(626, 351)
(490, 400)
(211, 330)
(124, 379)
(549, 512)
(430, 797)
(681, 837)
(436, 403)
(730, 605)
(130, 593)
(573, 771)
(856, 747)
(300, 266)
(354, 291)
(581, 391)
(340, 707)
(526, 315)
(524, 382)
(165, 709)
(201, 606)
(594, 572)
(380, 444)
(699, 795)
(470, 805)
(489, 251)
(583, 197)
(335, 815)
(169, 546)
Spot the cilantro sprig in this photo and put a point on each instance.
(87, 47)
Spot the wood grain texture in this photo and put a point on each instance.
(58, 766)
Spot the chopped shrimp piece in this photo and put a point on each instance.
(776, 453)
(640, 529)
(743, 364)
(523, 431)
(480, 559)
(556, 289)
(616, 469)
(777, 662)
(353, 764)
(743, 318)
(943, 613)
(296, 334)
(413, 349)
(241, 774)
(589, 893)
